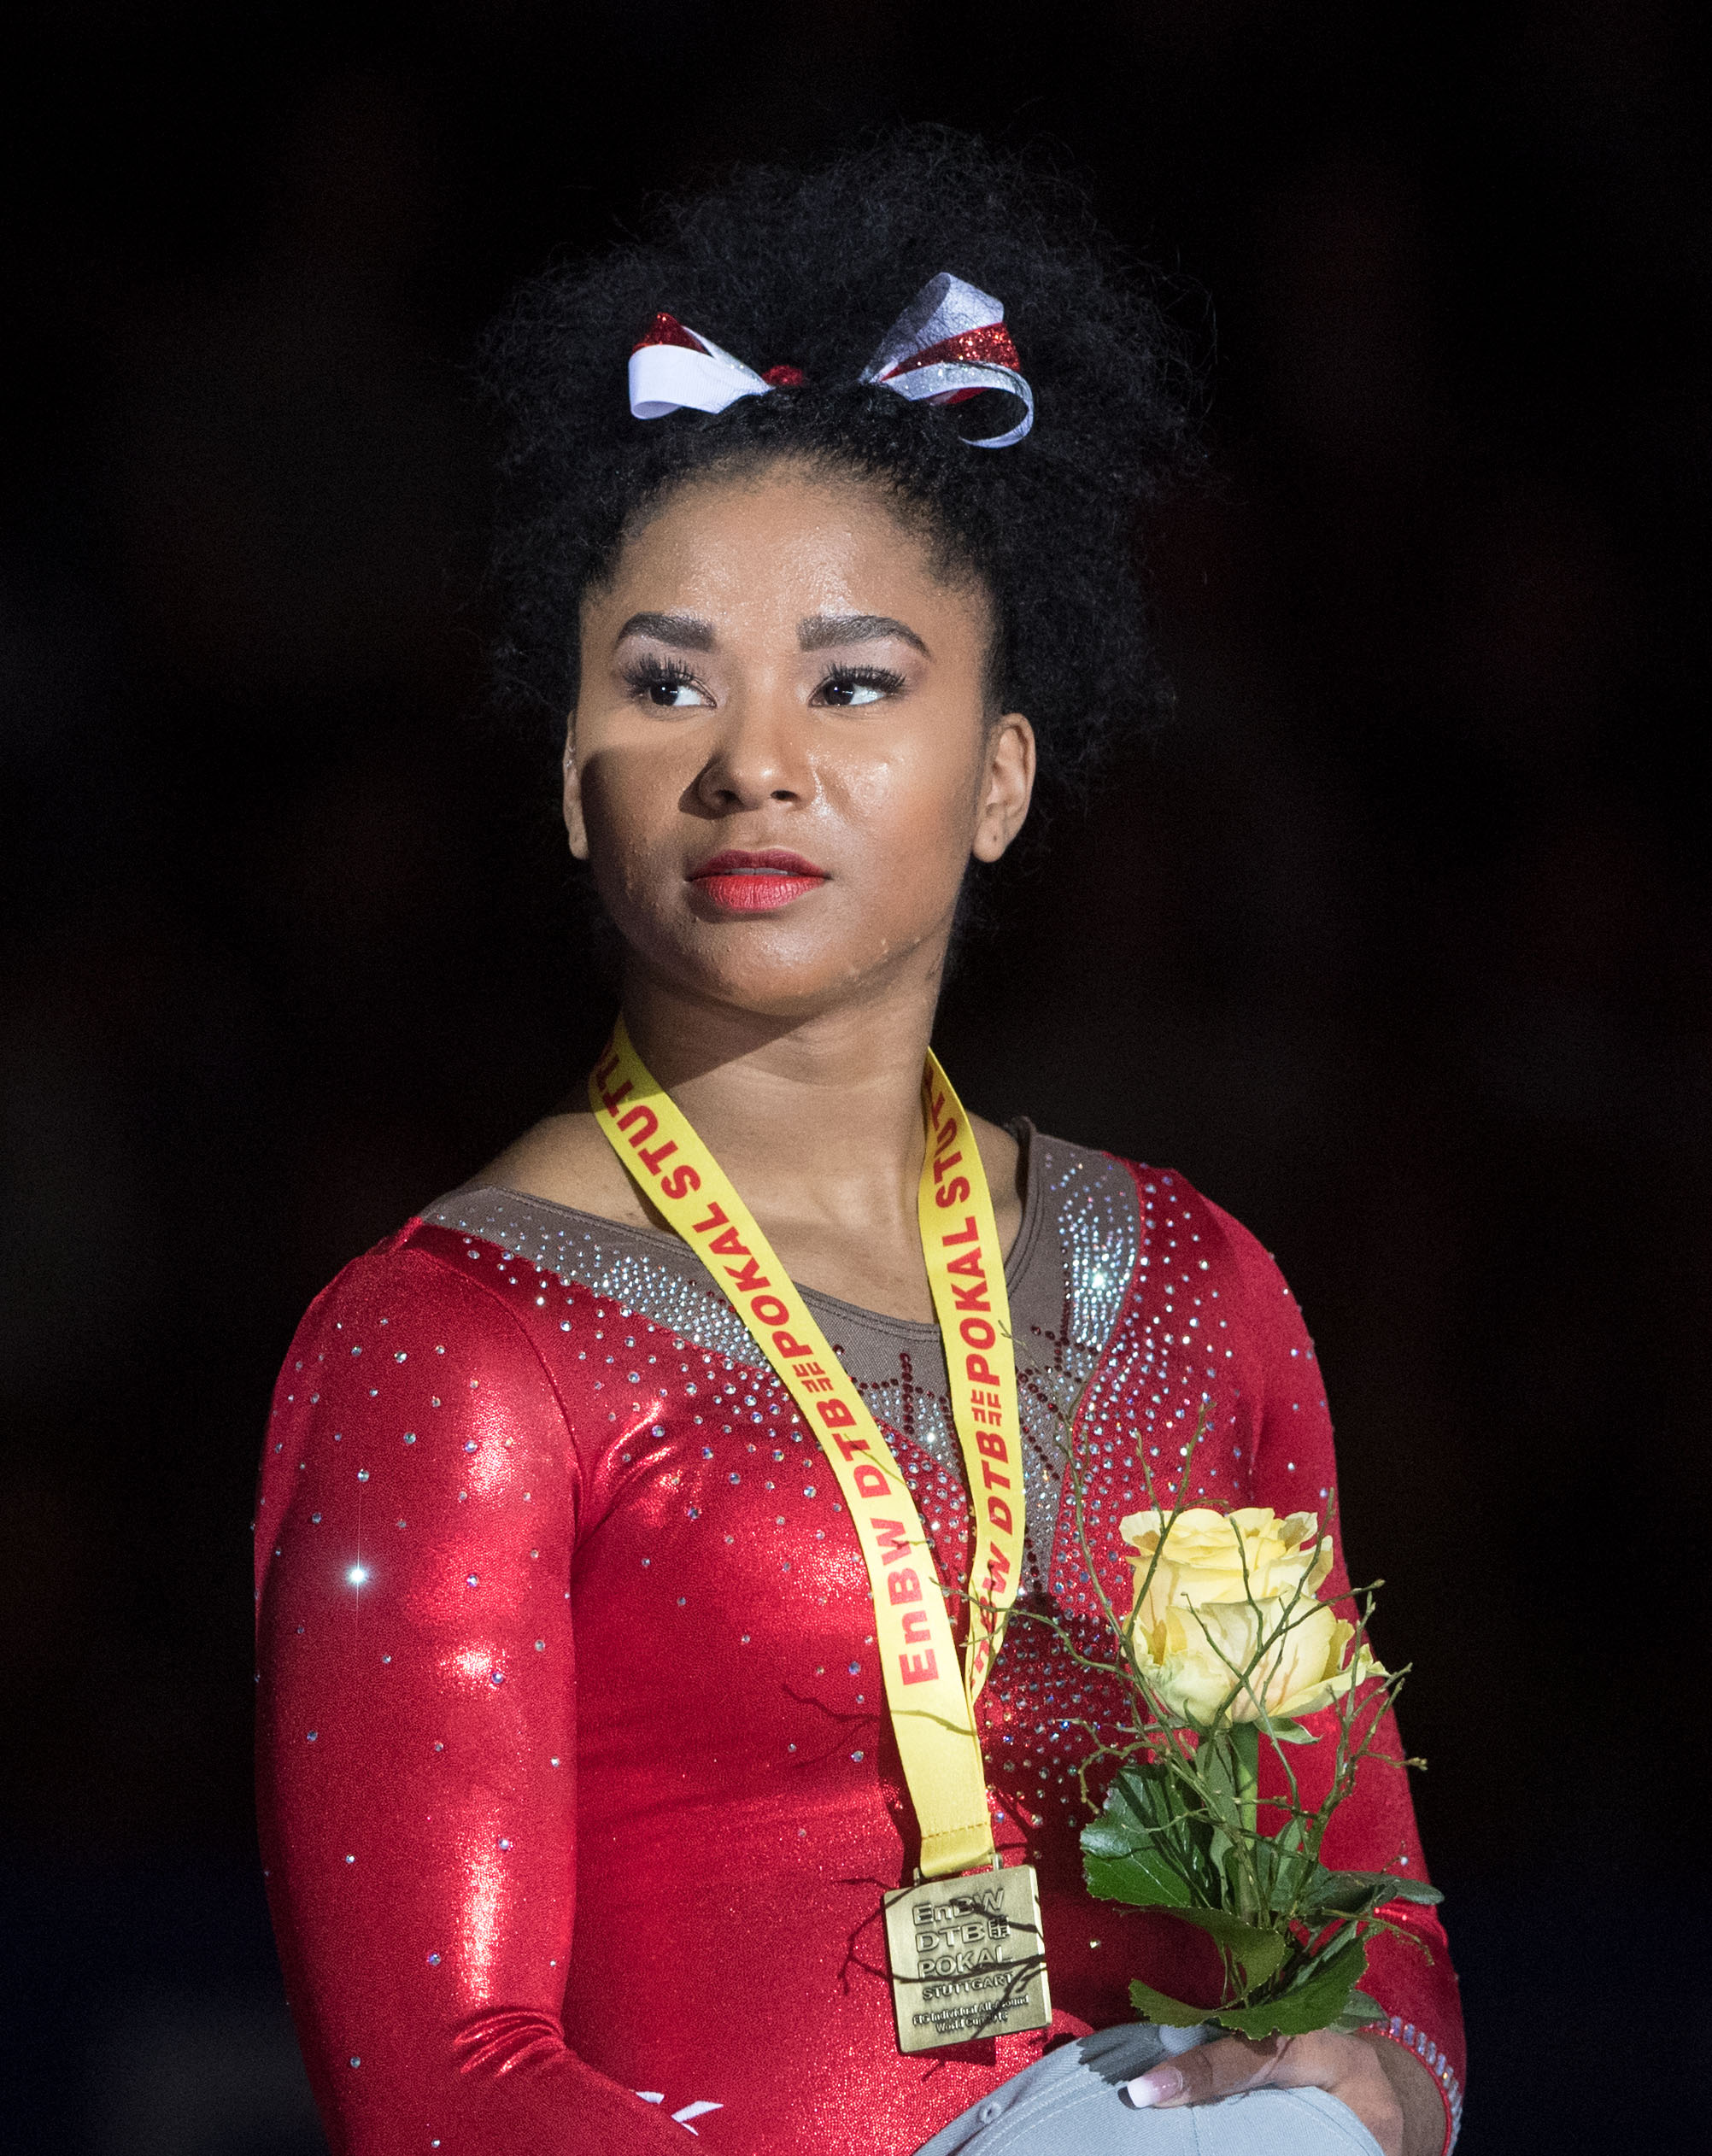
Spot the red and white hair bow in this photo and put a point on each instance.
(950, 343)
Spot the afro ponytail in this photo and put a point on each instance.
(807, 270)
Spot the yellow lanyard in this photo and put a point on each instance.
(932, 1705)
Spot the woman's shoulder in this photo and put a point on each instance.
(409, 1266)
(425, 1291)
(1179, 1234)
(444, 1338)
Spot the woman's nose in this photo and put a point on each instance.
(760, 755)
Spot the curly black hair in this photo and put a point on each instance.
(809, 269)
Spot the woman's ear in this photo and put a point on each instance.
(576, 829)
(1007, 785)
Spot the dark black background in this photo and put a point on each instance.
(1397, 945)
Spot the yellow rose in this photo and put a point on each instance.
(1207, 1556)
(1195, 1655)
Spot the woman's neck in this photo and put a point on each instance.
(817, 1121)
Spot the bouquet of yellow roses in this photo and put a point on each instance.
(1227, 1646)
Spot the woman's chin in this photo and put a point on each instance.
(759, 967)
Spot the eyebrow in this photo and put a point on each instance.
(685, 632)
(817, 632)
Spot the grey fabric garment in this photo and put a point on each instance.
(1071, 2103)
(1072, 1261)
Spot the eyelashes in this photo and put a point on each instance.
(655, 680)
(669, 684)
(843, 686)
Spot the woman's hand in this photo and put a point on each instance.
(1388, 2089)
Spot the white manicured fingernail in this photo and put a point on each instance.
(1157, 2087)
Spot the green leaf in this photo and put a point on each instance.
(1291, 1733)
(1142, 1802)
(1293, 1835)
(1411, 1890)
(1170, 2014)
(1143, 1849)
(1343, 1960)
(1145, 1878)
(1284, 1871)
(1360, 2014)
(1220, 1773)
(1259, 1953)
(1315, 1999)
(1358, 1894)
(1338, 1896)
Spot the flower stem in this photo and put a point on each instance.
(1245, 1748)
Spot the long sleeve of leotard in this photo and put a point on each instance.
(420, 1505)
(1295, 1469)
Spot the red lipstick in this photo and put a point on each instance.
(741, 882)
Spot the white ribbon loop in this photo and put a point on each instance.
(673, 368)
(946, 307)
(946, 383)
(950, 343)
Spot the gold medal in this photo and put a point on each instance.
(967, 1957)
(973, 1966)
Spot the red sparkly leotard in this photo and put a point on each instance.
(578, 1795)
